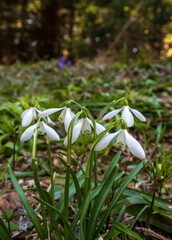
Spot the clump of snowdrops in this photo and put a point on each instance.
(89, 215)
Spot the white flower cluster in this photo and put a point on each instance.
(84, 126)
(27, 117)
(123, 137)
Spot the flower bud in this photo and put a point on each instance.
(124, 125)
(68, 104)
(83, 114)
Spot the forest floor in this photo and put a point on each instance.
(148, 88)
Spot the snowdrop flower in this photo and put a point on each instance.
(28, 115)
(124, 138)
(83, 126)
(42, 128)
(126, 115)
(65, 116)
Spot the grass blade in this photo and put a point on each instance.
(4, 232)
(27, 206)
(64, 220)
(119, 193)
(111, 165)
(100, 199)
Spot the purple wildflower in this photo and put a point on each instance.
(62, 59)
(69, 63)
(61, 66)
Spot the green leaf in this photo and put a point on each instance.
(159, 202)
(62, 217)
(72, 191)
(4, 232)
(123, 228)
(162, 222)
(118, 194)
(77, 186)
(111, 165)
(27, 206)
(100, 199)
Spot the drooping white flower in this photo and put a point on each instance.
(42, 128)
(126, 115)
(125, 139)
(84, 126)
(65, 116)
(28, 115)
(28, 133)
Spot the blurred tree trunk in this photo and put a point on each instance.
(23, 41)
(157, 36)
(49, 33)
(1, 33)
(71, 33)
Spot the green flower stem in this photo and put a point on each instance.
(51, 170)
(35, 134)
(95, 169)
(72, 101)
(108, 106)
(93, 155)
(67, 179)
(90, 159)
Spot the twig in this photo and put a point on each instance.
(151, 233)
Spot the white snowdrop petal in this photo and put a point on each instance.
(99, 128)
(38, 110)
(121, 138)
(24, 112)
(28, 133)
(71, 113)
(50, 132)
(138, 115)
(47, 112)
(41, 129)
(62, 115)
(90, 122)
(111, 114)
(67, 118)
(49, 120)
(104, 142)
(134, 146)
(34, 114)
(86, 127)
(77, 130)
(127, 116)
(27, 118)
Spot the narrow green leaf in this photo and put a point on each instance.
(137, 217)
(77, 186)
(97, 189)
(121, 214)
(27, 205)
(159, 202)
(123, 228)
(73, 159)
(4, 232)
(118, 194)
(111, 165)
(84, 213)
(72, 191)
(100, 199)
(64, 220)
